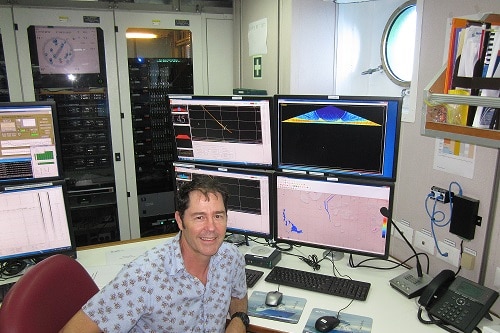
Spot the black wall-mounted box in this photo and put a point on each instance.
(464, 218)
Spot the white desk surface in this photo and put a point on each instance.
(391, 311)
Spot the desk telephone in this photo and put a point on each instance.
(456, 301)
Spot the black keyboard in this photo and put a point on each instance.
(252, 276)
(324, 284)
(4, 288)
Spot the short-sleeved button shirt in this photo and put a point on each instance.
(155, 293)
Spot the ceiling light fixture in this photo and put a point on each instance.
(141, 35)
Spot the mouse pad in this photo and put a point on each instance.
(349, 323)
(289, 310)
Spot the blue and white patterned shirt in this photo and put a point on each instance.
(155, 293)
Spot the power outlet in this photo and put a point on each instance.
(496, 283)
(453, 257)
(424, 242)
(406, 230)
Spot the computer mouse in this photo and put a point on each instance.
(273, 298)
(326, 323)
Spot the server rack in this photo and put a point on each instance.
(151, 81)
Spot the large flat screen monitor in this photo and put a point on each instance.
(35, 221)
(29, 142)
(67, 57)
(339, 135)
(224, 130)
(249, 208)
(334, 214)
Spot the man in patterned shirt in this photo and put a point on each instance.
(188, 284)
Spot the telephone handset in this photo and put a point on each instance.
(436, 287)
(457, 301)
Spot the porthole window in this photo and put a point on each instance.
(398, 44)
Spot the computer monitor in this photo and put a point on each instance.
(67, 57)
(223, 130)
(249, 208)
(339, 135)
(333, 214)
(29, 142)
(35, 221)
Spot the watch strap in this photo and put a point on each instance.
(243, 316)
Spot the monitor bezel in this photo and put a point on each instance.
(332, 171)
(244, 171)
(335, 249)
(272, 130)
(37, 256)
(57, 140)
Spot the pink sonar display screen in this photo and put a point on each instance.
(338, 215)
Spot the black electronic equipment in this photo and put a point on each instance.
(35, 221)
(30, 142)
(249, 204)
(456, 301)
(333, 213)
(151, 80)
(67, 57)
(252, 276)
(464, 218)
(262, 256)
(339, 135)
(224, 130)
(321, 283)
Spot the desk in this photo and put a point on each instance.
(391, 312)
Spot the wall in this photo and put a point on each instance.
(415, 179)
(416, 173)
(483, 185)
(307, 47)
(247, 12)
(492, 274)
(295, 46)
(360, 27)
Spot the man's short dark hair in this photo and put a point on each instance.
(203, 183)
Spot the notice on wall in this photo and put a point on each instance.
(455, 157)
(257, 37)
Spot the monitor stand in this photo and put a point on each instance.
(238, 239)
(332, 255)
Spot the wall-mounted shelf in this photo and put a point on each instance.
(434, 97)
(434, 121)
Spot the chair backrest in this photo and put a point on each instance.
(46, 297)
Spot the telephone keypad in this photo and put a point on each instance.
(454, 310)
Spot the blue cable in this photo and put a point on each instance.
(435, 221)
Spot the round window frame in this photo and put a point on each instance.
(383, 45)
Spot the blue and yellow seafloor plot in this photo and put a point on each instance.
(331, 115)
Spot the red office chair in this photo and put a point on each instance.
(46, 297)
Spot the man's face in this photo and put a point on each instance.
(204, 224)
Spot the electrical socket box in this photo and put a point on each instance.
(453, 257)
(468, 261)
(496, 282)
(424, 242)
(406, 230)
(440, 194)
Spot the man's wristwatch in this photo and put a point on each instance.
(243, 316)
